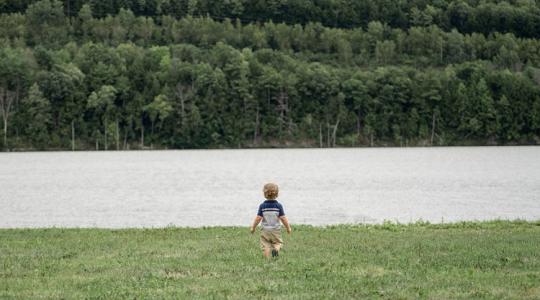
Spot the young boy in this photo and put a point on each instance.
(271, 213)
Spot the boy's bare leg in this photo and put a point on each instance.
(266, 252)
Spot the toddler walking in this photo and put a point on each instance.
(271, 214)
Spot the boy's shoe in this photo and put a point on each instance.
(274, 253)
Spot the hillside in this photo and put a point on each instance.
(190, 74)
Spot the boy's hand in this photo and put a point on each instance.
(255, 223)
(285, 222)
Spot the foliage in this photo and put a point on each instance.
(315, 74)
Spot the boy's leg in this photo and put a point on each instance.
(266, 244)
(277, 241)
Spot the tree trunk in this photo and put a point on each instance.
(328, 135)
(181, 91)
(117, 135)
(152, 135)
(358, 127)
(6, 100)
(334, 133)
(432, 128)
(125, 138)
(142, 136)
(72, 135)
(256, 131)
(5, 131)
(291, 126)
(320, 136)
(371, 139)
(105, 133)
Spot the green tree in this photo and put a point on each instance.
(479, 112)
(101, 103)
(85, 22)
(38, 117)
(384, 52)
(159, 109)
(357, 99)
(46, 23)
(14, 76)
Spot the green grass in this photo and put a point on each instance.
(466, 260)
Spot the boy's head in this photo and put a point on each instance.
(270, 191)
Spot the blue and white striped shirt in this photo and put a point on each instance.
(270, 211)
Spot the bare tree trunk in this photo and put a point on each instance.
(6, 100)
(432, 128)
(152, 135)
(334, 133)
(72, 135)
(291, 126)
(17, 93)
(105, 132)
(256, 131)
(181, 92)
(97, 144)
(371, 139)
(117, 135)
(320, 136)
(125, 139)
(5, 131)
(358, 127)
(142, 136)
(328, 135)
(283, 108)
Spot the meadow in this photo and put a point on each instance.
(497, 259)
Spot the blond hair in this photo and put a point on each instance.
(271, 191)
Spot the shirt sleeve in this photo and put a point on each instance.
(259, 212)
(281, 211)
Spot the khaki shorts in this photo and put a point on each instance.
(271, 239)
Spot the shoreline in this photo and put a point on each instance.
(392, 146)
(380, 225)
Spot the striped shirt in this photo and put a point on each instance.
(270, 211)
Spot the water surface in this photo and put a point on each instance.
(223, 187)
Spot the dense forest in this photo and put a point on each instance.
(126, 74)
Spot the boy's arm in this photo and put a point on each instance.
(255, 223)
(285, 222)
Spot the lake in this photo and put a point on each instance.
(224, 187)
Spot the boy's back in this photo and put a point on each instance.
(270, 211)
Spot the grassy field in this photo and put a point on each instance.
(465, 260)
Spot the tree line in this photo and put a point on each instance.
(521, 17)
(126, 81)
(45, 25)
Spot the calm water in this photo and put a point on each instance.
(223, 187)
